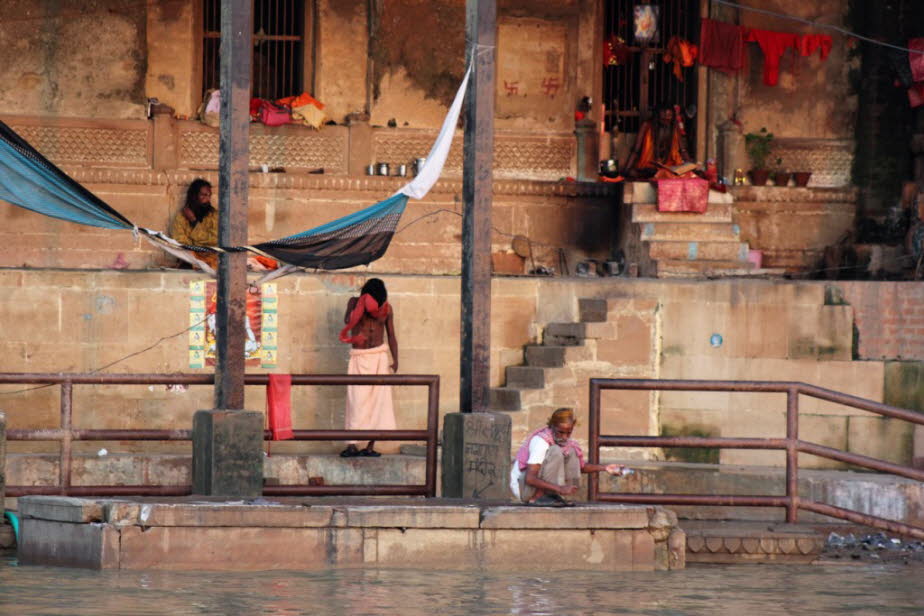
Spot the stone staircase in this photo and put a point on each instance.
(612, 338)
(689, 245)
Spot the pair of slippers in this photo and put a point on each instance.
(551, 500)
(353, 452)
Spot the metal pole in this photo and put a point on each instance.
(593, 438)
(792, 455)
(67, 421)
(236, 48)
(477, 186)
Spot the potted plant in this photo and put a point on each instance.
(780, 175)
(757, 146)
(801, 178)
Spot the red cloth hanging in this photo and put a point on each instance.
(916, 59)
(364, 305)
(682, 53)
(721, 45)
(279, 406)
(808, 43)
(774, 45)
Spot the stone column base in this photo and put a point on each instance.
(476, 455)
(227, 453)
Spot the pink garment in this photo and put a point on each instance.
(774, 45)
(369, 407)
(916, 59)
(364, 305)
(545, 433)
(721, 45)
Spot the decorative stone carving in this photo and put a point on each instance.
(829, 160)
(200, 149)
(76, 144)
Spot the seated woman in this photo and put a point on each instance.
(196, 224)
(660, 143)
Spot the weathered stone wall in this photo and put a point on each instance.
(174, 48)
(889, 318)
(792, 226)
(76, 321)
(551, 216)
(73, 58)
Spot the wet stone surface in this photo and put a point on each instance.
(874, 547)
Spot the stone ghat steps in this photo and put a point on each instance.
(713, 268)
(562, 344)
(729, 542)
(648, 212)
(320, 533)
(696, 250)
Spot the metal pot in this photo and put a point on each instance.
(383, 168)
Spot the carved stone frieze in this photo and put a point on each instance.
(829, 160)
(200, 149)
(87, 144)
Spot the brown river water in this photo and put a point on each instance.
(746, 590)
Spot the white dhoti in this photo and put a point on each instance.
(369, 407)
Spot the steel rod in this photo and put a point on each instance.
(865, 519)
(792, 455)
(691, 441)
(719, 500)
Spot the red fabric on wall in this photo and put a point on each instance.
(683, 195)
(774, 45)
(808, 43)
(916, 59)
(279, 406)
(721, 45)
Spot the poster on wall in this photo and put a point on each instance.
(260, 325)
(646, 23)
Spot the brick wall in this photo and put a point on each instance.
(889, 317)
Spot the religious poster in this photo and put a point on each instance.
(260, 325)
(646, 23)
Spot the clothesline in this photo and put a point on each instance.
(816, 24)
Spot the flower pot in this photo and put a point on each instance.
(781, 178)
(759, 176)
(801, 178)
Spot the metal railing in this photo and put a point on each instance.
(791, 444)
(67, 434)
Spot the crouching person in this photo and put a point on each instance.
(549, 463)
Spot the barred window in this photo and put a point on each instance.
(281, 52)
(642, 81)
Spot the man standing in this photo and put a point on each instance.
(549, 464)
(369, 319)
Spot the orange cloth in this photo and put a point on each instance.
(279, 406)
(369, 407)
(365, 304)
(682, 53)
(646, 158)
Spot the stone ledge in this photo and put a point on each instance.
(411, 516)
(518, 517)
(61, 509)
(305, 181)
(791, 193)
(218, 515)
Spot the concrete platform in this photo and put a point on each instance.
(309, 533)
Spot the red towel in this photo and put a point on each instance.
(721, 45)
(279, 406)
(364, 305)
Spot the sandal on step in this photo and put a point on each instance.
(369, 453)
(350, 452)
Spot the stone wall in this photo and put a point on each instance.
(792, 226)
(889, 318)
(77, 321)
(73, 58)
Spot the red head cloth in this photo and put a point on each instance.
(364, 305)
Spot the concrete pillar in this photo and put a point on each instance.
(165, 152)
(227, 453)
(476, 455)
(587, 150)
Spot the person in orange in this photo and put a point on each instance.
(369, 321)
(660, 142)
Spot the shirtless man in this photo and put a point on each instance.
(369, 319)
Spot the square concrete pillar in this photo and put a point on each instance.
(227, 453)
(476, 455)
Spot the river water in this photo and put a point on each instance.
(744, 590)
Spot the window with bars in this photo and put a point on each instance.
(281, 51)
(642, 81)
